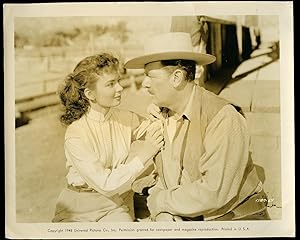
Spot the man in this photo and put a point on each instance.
(205, 171)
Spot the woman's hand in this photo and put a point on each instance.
(154, 141)
(154, 112)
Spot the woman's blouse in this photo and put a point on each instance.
(97, 147)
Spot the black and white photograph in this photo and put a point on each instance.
(149, 120)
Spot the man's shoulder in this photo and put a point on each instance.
(211, 103)
(212, 97)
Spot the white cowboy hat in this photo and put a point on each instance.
(169, 46)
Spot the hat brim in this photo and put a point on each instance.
(199, 58)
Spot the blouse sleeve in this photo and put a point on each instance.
(104, 180)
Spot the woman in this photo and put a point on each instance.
(97, 144)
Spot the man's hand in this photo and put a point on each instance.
(153, 202)
(164, 217)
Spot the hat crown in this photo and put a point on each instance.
(168, 46)
(169, 42)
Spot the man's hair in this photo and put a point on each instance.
(189, 66)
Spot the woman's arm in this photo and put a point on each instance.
(104, 180)
(117, 180)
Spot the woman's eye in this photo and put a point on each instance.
(111, 84)
(148, 76)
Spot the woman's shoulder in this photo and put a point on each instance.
(125, 114)
(75, 129)
(127, 117)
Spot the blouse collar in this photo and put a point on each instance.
(98, 116)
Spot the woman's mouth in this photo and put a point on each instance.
(151, 93)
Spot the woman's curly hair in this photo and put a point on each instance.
(85, 75)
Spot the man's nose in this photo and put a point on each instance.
(147, 82)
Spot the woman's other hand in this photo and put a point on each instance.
(154, 141)
(154, 112)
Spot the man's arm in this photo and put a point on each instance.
(222, 168)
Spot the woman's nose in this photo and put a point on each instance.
(147, 82)
(119, 88)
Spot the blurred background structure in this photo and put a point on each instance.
(47, 49)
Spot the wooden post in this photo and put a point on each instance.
(216, 45)
(198, 29)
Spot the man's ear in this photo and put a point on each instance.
(89, 94)
(177, 78)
